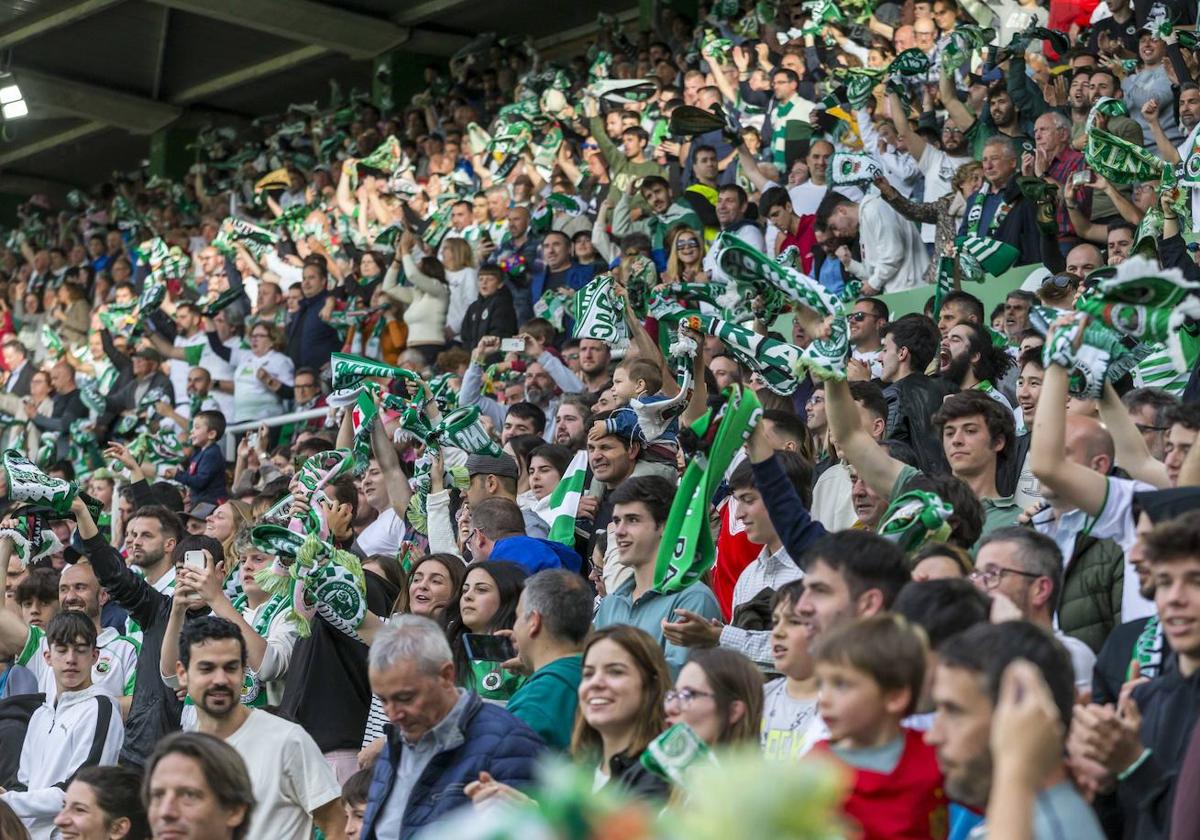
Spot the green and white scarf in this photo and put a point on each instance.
(853, 169)
(597, 311)
(775, 361)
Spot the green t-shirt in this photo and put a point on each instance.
(997, 513)
(547, 701)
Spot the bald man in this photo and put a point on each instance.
(1083, 259)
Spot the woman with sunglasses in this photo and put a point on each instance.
(686, 256)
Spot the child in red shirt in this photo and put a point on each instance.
(869, 675)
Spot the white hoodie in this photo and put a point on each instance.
(60, 739)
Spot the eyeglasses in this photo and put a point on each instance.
(684, 696)
(306, 386)
(1143, 428)
(991, 576)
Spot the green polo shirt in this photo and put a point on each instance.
(997, 513)
(547, 700)
(652, 609)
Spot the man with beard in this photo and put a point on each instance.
(966, 690)
(1000, 119)
(1189, 121)
(938, 165)
(572, 421)
(909, 345)
(1079, 101)
(867, 321)
(1000, 211)
(293, 786)
(970, 361)
(545, 376)
(114, 671)
(594, 359)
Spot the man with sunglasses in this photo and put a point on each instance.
(1026, 568)
(868, 319)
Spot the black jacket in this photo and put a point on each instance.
(492, 315)
(912, 402)
(311, 341)
(67, 409)
(1169, 705)
(20, 385)
(155, 710)
(627, 774)
(1020, 229)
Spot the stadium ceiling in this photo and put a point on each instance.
(101, 76)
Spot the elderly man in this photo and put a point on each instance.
(1055, 161)
(1000, 211)
(443, 737)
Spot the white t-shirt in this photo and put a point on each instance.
(1083, 661)
(938, 168)
(790, 727)
(291, 778)
(115, 670)
(806, 198)
(384, 535)
(251, 398)
(1114, 522)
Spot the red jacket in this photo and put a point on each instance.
(907, 804)
(734, 553)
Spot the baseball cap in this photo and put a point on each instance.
(504, 466)
(200, 510)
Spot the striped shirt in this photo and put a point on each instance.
(1158, 371)
(768, 571)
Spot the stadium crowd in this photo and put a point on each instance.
(582, 438)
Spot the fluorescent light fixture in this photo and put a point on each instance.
(14, 110)
(10, 93)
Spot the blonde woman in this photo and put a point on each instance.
(462, 276)
(685, 256)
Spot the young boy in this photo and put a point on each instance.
(37, 597)
(205, 473)
(791, 724)
(642, 380)
(81, 727)
(354, 800)
(869, 675)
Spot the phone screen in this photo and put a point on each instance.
(483, 647)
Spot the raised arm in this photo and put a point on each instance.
(876, 467)
(914, 142)
(1074, 484)
(13, 631)
(1132, 454)
(962, 117)
(398, 490)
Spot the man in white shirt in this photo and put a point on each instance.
(937, 165)
(191, 348)
(893, 255)
(293, 785)
(80, 727)
(115, 669)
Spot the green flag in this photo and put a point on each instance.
(687, 550)
(564, 501)
(994, 256)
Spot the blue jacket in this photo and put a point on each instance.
(493, 741)
(793, 523)
(204, 475)
(533, 554)
(311, 341)
(578, 276)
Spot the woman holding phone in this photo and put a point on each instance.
(487, 603)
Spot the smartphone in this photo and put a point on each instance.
(195, 560)
(481, 647)
(512, 345)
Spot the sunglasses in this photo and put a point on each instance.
(858, 317)
(1059, 281)
(686, 243)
